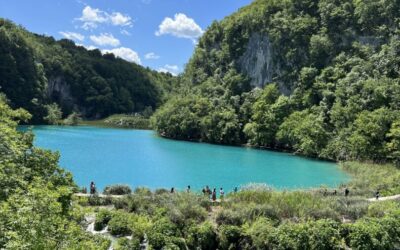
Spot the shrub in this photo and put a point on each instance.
(126, 244)
(323, 234)
(229, 217)
(117, 190)
(260, 233)
(119, 224)
(202, 236)
(229, 237)
(369, 234)
(102, 219)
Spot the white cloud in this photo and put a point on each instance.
(124, 53)
(92, 17)
(151, 55)
(181, 26)
(72, 36)
(125, 32)
(105, 39)
(119, 19)
(173, 69)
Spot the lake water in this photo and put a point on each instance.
(141, 158)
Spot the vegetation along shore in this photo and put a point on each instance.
(317, 78)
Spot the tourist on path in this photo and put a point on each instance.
(172, 190)
(377, 194)
(92, 188)
(221, 194)
(214, 195)
(188, 189)
(204, 191)
(235, 190)
(346, 192)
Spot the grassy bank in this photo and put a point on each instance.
(120, 121)
(260, 219)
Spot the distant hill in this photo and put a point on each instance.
(37, 70)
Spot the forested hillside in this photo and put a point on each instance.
(36, 71)
(317, 77)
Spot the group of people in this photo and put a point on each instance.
(212, 195)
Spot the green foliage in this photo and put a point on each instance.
(304, 131)
(128, 121)
(54, 114)
(202, 236)
(117, 190)
(119, 224)
(332, 85)
(37, 71)
(102, 219)
(73, 119)
(35, 196)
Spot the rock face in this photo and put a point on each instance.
(257, 61)
(258, 64)
(59, 91)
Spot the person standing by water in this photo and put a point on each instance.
(221, 194)
(92, 188)
(214, 195)
(188, 189)
(346, 192)
(235, 190)
(172, 190)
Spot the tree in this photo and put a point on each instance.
(393, 145)
(304, 131)
(54, 114)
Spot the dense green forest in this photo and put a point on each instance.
(45, 76)
(329, 88)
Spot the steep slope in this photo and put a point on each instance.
(330, 73)
(36, 70)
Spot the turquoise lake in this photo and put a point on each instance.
(141, 158)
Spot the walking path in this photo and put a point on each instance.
(117, 196)
(393, 197)
(99, 195)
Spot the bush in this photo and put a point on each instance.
(369, 234)
(229, 237)
(202, 236)
(261, 233)
(117, 190)
(323, 234)
(119, 224)
(102, 219)
(126, 244)
(161, 232)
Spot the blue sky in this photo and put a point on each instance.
(160, 34)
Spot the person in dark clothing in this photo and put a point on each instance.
(204, 191)
(377, 194)
(172, 190)
(334, 192)
(188, 189)
(92, 188)
(214, 194)
(235, 190)
(208, 191)
(346, 192)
